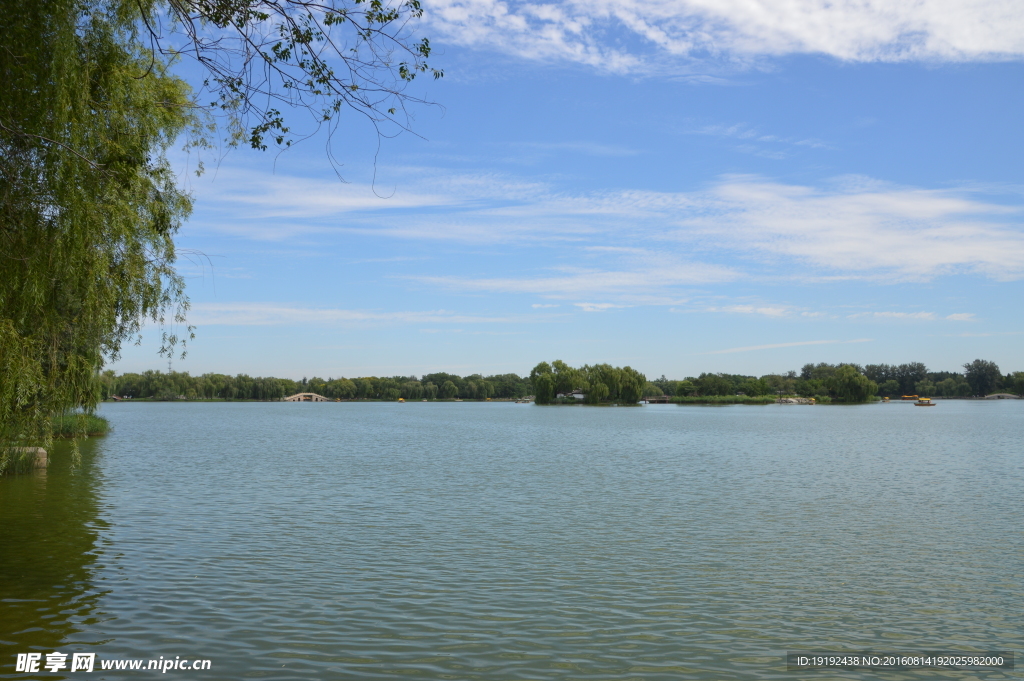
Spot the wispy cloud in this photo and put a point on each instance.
(752, 141)
(275, 314)
(669, 33)
(580, 147)
(768, 311)
(591, 281)
(961, 317)
(850, 228)
(917, 316)
(861, 228)
(260, 195)
(597, 307)
(773, 346)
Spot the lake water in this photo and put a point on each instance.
(502, 541)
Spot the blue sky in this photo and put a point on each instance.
(680, 186)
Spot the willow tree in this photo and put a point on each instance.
(89, 204)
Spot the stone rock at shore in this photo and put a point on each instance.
(41, 458)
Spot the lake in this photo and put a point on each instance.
(508, 541)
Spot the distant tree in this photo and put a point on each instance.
(597, 392)
(780, 384)
(365, 388)
(685, 388)
(449, 390)
(817, 372)
(652, 390)
(340, 388)
(610, 376)
(668, 387)
(631, 386)
(440, 378)
(925, 388)
(890, 388)
(714, 384)
(566, 378)
(385, 385)
(954, 386)
(983, 376)
(1016, 383)
(849, 385)
(754, 387)
(543, 387)
(909, 375)
(811, 388)
(881, 373)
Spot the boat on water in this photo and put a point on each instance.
(924, 402)
(908, 398)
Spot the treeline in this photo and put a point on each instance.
(599, 383)
(850, 382)
(180, 384)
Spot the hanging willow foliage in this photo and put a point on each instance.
(88, 204)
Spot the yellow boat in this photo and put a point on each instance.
(924, 402)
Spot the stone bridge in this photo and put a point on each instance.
(306, 397)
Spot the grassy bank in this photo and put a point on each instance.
(723, 399)
(71, 425)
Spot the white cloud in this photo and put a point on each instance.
(860, 230)
(587, 148)
(768, 311)
(597, 307)
(277, 206)
(660, 33)
(774, 346)
(917, 316)
(852, 228)
(752, 141)
(275, 314)
(961, 317)
(544, 305)
(592, 281)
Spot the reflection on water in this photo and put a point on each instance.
(49, 547)
(498, 541)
